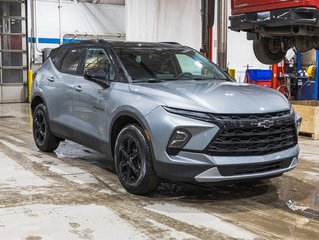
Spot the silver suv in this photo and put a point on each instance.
(162, 110)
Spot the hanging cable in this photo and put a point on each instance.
(284, 86)
(300, 90)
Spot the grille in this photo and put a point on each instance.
(253, 168)
(251, 116)
(252, 141)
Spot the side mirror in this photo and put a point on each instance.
(97, 76)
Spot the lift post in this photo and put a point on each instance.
(208, 17)
(275, 73)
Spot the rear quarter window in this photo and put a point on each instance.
(57, 55)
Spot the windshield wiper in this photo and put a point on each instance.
(196, 78)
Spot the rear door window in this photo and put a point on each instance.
(72, 61)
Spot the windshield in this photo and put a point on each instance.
(150, 64)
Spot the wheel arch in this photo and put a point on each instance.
(36, 100)
(120, 121)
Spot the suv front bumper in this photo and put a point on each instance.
(184, 167)
(302, 16)
(197, 165)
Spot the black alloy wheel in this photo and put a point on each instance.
(39, 127)
(130, 160)
(43, 137)
(134, 161)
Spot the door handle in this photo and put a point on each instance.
(78, 88)
(51, 79)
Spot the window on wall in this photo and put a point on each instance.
(72, 61)
(98, 62)
(15, 25)
(12, 75)
(11, 42)
(8, 8)
(11, 59)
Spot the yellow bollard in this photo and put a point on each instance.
(30, 79)
(232, 72)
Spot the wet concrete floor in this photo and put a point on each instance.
(74, 194)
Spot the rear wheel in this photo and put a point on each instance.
(268, 50)
(133, 161)
(43, 137)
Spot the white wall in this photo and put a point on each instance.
(80, 17)
(164, 20)
(77, 17)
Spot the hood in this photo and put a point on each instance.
(214, 96)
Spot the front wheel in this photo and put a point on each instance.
(43, 137)
(133, 161)
(268, 50)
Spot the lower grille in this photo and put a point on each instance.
(252, 141)
(254, 168)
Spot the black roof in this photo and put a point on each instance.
(123, 44)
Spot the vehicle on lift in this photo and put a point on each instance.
(277, 25)
(162, 110)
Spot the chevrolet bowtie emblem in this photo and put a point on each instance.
(266, 124)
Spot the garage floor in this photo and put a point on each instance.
(74, 194)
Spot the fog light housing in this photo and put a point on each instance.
(178, 140)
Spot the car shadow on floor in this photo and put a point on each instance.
(274, 192)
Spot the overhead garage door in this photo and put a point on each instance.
(13, 55)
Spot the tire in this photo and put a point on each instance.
(133, 161)
(43, 137)
(268, 50)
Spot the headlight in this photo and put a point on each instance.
(292, 110)
(190, 114)
(298, 118)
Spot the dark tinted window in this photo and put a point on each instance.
(98, 62)
(57, 55)
(72, 61)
